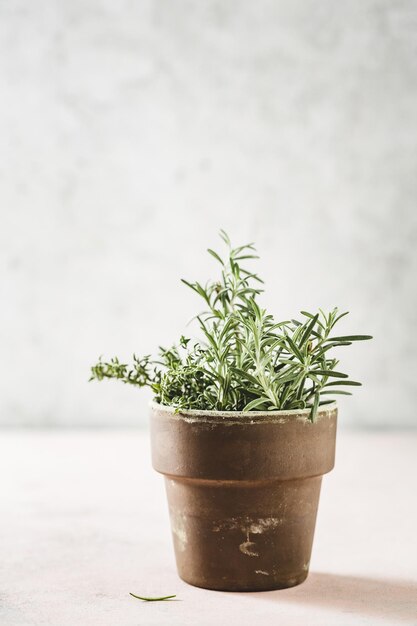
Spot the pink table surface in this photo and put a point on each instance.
(83, 521)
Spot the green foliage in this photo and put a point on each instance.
(245, 361)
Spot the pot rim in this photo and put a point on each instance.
(242, 414)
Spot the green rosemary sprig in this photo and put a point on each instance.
(245, 361)
(152, 599)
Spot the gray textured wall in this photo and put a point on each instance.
(132, 131)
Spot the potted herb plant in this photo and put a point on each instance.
(243, 427)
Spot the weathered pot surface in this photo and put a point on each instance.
(243, 490)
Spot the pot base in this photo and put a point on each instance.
(263, 586)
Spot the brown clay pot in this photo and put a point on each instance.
(243, 491)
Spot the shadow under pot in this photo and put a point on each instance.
(243, 491)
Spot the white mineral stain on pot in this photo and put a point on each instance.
(263, 524)
(260, 571)
(247, 547)
(247, 525)
(179, 532)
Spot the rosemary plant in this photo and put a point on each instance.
(245, 361)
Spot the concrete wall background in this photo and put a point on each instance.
(130, 132)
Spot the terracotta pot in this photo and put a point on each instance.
(243, 491)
